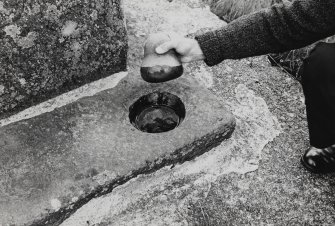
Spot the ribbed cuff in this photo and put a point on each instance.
(210, 46)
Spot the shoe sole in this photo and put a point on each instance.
(310, 169)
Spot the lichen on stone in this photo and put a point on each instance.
(2, 9)
(13, 31)
(69, 28)
(28, 41)
(58, 46)
(2, 89)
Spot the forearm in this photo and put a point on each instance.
(277, 29)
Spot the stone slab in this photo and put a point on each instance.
(59, 158)
(50, 47)
(253, 178)
(55, 169)
(178, 196)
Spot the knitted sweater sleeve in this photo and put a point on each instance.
(279, 28)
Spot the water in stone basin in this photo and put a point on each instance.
(157, 119)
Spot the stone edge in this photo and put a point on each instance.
(187, 153)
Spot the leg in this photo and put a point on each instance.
(318, 81)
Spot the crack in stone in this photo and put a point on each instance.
(158, 198)
(180, 156)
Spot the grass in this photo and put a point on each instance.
(230, 10)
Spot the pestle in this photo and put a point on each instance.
(158, 68)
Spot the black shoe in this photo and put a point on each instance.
(319, 160)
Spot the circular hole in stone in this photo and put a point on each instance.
(157, 112)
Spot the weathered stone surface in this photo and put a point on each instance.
(54, 159)
(49, 47)
(167, 196)
(89, 89)
(48, 173)
(254, 178)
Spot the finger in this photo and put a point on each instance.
(186, 59)
(165, 47)
(174, 36)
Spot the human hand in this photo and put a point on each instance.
(188, 49)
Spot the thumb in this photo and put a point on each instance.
(165, 47)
